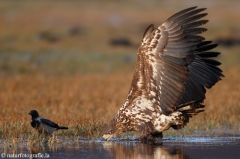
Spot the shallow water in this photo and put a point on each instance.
(187, 148)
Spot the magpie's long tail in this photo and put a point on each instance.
(62, 127)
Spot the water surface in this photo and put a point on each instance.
(187, 148)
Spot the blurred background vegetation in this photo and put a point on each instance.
(76, 37)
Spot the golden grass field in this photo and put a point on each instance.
(80, 81)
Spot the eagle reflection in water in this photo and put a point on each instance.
(130, 150)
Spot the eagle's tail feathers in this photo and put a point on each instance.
(192, 105)
(189, 110)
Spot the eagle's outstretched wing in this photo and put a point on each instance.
(174, 64)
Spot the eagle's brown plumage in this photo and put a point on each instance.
(174, 66)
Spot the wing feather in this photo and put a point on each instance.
(194, 24)
(174, 25)
(208, 54)
(175, 16)
(175, 60)
(174, 64)
(187, 39)
(48, 123)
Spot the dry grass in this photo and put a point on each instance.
(86, 103)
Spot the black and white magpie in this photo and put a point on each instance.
(43, 125)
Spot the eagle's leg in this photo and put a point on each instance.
(146, 130)
(157, 135)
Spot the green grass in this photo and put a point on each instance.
(64, 63)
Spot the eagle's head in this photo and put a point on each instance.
(112, 130)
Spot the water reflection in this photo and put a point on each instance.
(121, 150)
(42, 151)
(83, 149)
(130, 150)
(194, 149)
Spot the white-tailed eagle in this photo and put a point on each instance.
(174, 66)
